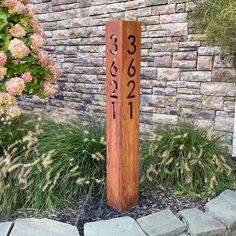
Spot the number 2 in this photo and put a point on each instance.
(131, 82)
(113, 94)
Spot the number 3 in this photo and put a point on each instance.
(132, 37)
(114, 38)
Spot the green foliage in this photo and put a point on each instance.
(216, 18)
(187, 158)
(44, 163)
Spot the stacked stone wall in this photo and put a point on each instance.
(182, 78)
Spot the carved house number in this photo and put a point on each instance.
(131, 73)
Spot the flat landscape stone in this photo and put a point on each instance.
(122, 226)
(163, 223)
(42, 227)
(201, 224)
(229, 196)
(5, 228)
(223, 211)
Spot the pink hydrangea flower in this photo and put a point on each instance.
(12, 111)
(31, 10)
(3, 71)
(36, 41)
(51, 78)
(17, 31)
(49, 89)
(25, 1)
(43, 58)
(2, 111)
(27, 77)
(6, 99)
(9, 3)
(38, 29)
(18, 49)
(3, 58)
(14, 6)
(15, 86)
(2, 95)
(54, 70)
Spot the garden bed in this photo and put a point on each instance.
(82, 212)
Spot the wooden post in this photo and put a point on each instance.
(123, 53)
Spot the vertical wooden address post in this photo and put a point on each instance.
(123, 53)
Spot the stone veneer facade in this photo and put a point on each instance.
(181, 77)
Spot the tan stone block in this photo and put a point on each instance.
(189, 101)
(165, 47)
(168, 73)
(165, 119)
(176, 84)
(173, 18)
(170, 101)
(218, 89)
(165, 9)
(164, 91)
(204, 63)
(193, 113)
(188, 91)
(60, 34)
(164, 60)
(224, 124)
(208, 51)
(229, 106)
(212, 102)
(195, 76)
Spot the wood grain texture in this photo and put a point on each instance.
(123, 53)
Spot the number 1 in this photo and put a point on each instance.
(131, 110)
(113, 109)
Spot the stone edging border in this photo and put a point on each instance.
(218, 219)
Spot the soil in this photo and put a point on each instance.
(82, 212)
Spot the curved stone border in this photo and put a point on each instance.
(218, 219)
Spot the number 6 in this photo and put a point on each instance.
(131, 69)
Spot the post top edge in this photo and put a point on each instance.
(123, 21)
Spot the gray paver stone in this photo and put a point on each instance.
(223, 211)
(229, 196)
(5, 228)
(42, 227)
(163, 223)
(201, 224)
(122, 226)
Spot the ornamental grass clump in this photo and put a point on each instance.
(216, 19)
(49, 164)
(186, 158)
(24, 67)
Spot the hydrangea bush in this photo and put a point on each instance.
(25, 67)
